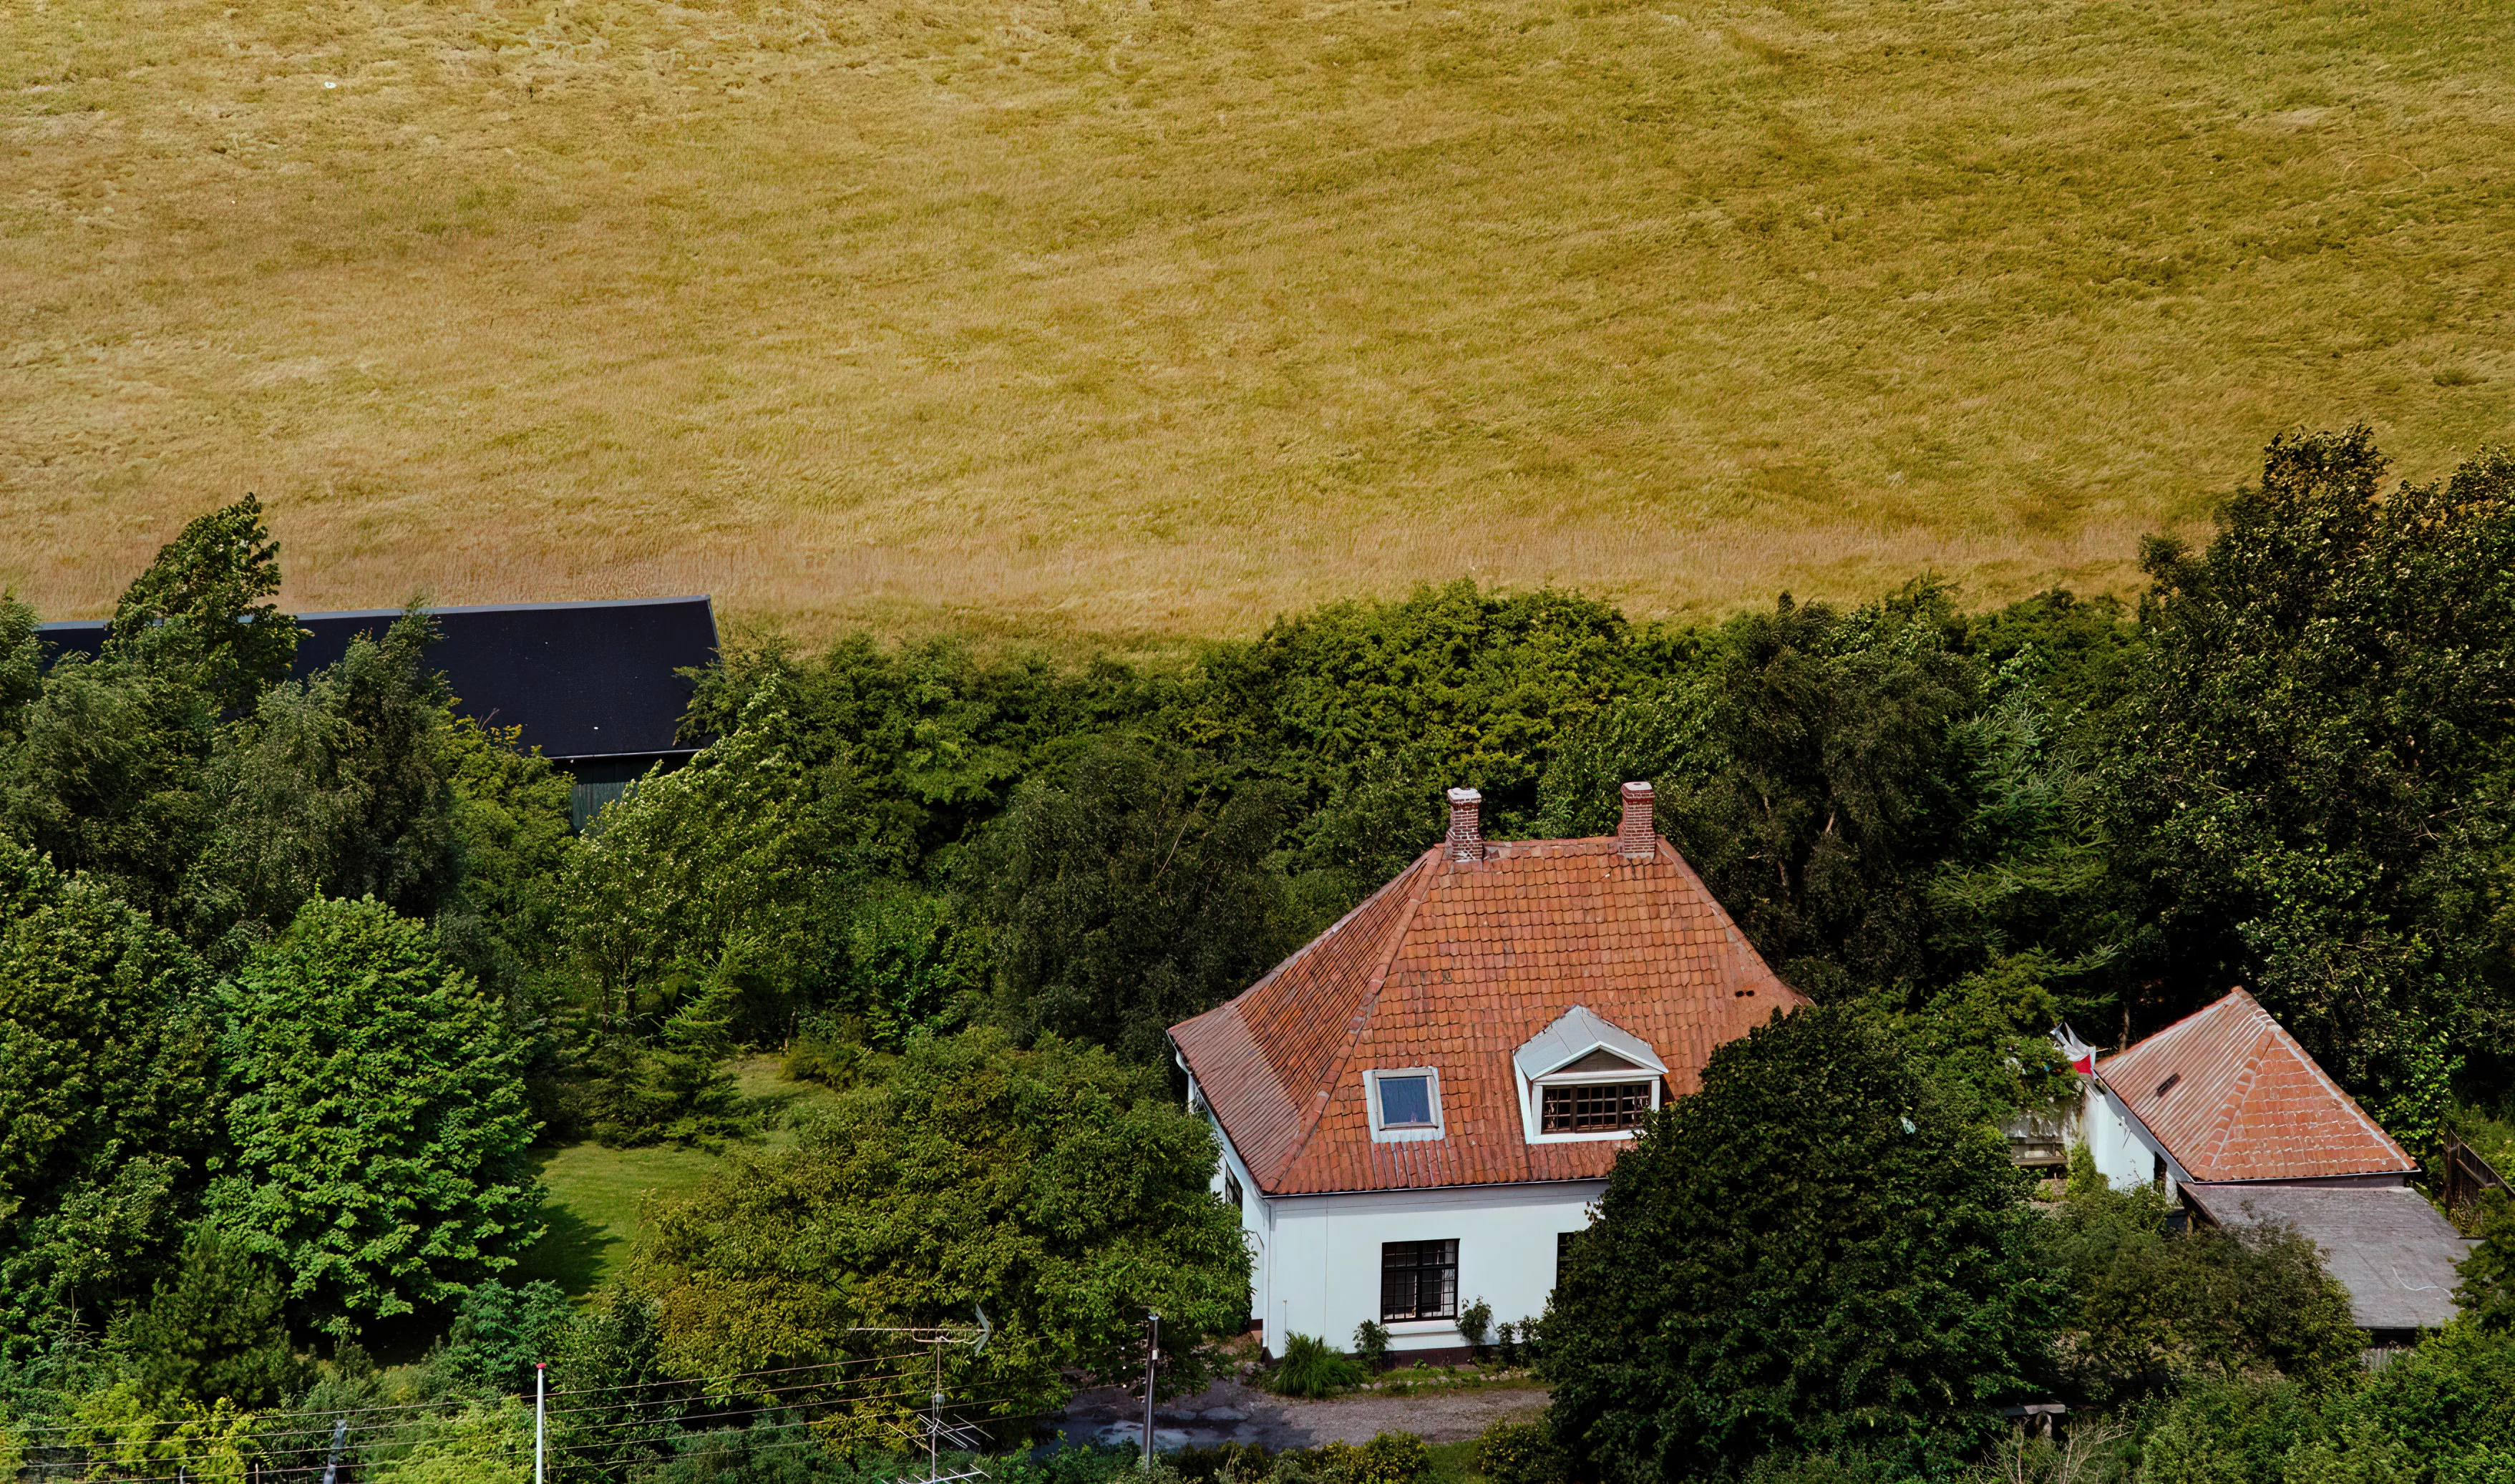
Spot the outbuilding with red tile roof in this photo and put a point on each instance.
(1420, 1104)
(2225, 1110)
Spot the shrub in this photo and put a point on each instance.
(1391, 1458)
(1518, 1453)
(1222, 1464)
(1311, 1368)
(1507, 1341)
(1370, 1345)
(1476, 1326)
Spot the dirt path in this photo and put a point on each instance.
(1229, 1412)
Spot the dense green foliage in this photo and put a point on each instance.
(2155, 1310)
(2324, 750)
(1060, 1189)
(106, 1064)
(1808, 1254)
(215, 1330)
(378, 1124)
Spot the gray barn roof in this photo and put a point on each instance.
(585, 680)
(2385, 1244)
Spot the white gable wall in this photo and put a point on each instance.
(2125, 1153)
(1320, 1274)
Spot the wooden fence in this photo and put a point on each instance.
(2465, 1175)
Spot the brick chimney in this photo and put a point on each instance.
(1467, 834)
(1634, 838)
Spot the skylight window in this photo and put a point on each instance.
(1405, 1104)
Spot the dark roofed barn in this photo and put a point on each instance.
(595, 686)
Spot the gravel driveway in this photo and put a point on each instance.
(1230, 1412)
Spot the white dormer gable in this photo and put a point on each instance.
(1583, 1079)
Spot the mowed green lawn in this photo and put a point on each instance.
(599, 1198)
(1115, 319)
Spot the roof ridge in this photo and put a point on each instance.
(2182, 1022)
(1325, 1093)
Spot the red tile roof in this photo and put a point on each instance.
(2232, 1097)
(1453, 966)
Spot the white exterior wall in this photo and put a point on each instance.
(2124, 1152)
(1321, 1271)
(1314, 1260)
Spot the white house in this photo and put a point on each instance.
(1418, 1106)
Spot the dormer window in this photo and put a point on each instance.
(1593, 1108)
(1405, 1104)
(1583, 1078)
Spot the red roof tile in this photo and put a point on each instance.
(1455, 964)
(2232, 1097)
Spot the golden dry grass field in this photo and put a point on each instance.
(1128, 320)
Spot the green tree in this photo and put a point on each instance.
(102, 774)
(2486, 1291)
(105, 1095)
(2152, 1309)
(378, 1124)
(1476, 686)
(2315, 795)
(22, 669)
(1835, 786)
(511, 834)
(1064, 1192)
(1807, 1255)
(337, 786)
(102, 770)
(215, 1330)
(730, 870)
(1133, 897)
(500, 1333)
(200, 606)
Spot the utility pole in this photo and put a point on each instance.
(541, 1391)
(340, 1437)
(1152, 1370)
(935, 1429)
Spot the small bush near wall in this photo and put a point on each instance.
(1311, 1368)
(1518, 1453)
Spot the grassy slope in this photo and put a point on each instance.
(1157, 318)
(599, 1198)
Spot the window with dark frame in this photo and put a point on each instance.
(1231, 1194)
(1419, 1280)
(1597, 1107)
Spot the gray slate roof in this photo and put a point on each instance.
(2385, 1244)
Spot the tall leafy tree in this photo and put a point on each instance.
(728, 872)
(1062, 1191)
(1834, 786)
(105, 1095)
(378, 1124)
(337, 786)
(1133, 897)
(1810, 1255)
(203, 606)
(2316, 798)
(104, 770)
